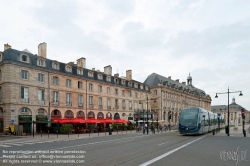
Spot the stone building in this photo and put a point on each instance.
(234, 110)
(172, 96)
(34, 88)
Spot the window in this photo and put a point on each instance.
(24, 110)
(123, 82)
(136, 85)
(55, 96)
(116, 80)
(24, 58)
(155, 92)
(24, 74)
(108, 90)
(80, 101)
(141, 96)
(91, 101)
(100, 76)
(123, 93)
(40, 111)
(55, 80)
(99, 88)
(68, 69)
(68, 83)
(129, 94)
(136, 105)
(123, 104)
(100, 102)
(40, 62)
(116, 103)
(116, 91)
(68, 99)
(90, 87)
(130, 105)
(130, 84)
(40, 95)
(108, 78)
(79, 85)
(136, 96)
(141, 86)
(24, 93)
(55, 66)
(108, 102)
(90, 74)
(40, 77)
(79, 71)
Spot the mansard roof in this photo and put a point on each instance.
(154, 79)
(12, 55)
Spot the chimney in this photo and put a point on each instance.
(129, 74)
(42, 50)
(177, 80)
(108, 70)
(93, 69)
(184, 83)
(169, 77)
(81, 62)
(116, 75)
(7, 46)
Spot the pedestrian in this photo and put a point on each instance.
(152, 129)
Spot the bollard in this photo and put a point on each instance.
(57, 133)
(48, 133)
(41, 134)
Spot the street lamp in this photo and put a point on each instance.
(216, 96)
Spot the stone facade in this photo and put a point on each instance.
(235, 112)
(33, 85)
(172, 96)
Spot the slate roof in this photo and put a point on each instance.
(12, 55)
(154, 79)
(233, 106)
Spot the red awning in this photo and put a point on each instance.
(80, 120)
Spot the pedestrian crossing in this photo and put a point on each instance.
(7, 144)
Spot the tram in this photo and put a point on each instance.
(195, 121)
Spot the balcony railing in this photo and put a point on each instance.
(91, 106)
(123, 107)
(109, 107)
(130, 108)
(42, 102)
(100, 106)
(116, 107)
(24, 100)
(56, 103)
(80, 105)
(68, 104)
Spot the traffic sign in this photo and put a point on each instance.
(219, 114)
(242, 111)
(203, 116)
(12, 121)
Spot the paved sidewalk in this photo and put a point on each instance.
(235, 133)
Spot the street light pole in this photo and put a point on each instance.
(228, 106)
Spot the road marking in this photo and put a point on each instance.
(163, 143)
(168, 153)
(14, 144)
(6, 146)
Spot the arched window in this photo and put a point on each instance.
(68, 68)
(55, 66)
(79, 71)
(41, 111)
(69, 114)
(24, 58)
(116, 116)
(40, 62)
(100, 115)
(109, 115)
(24, 110)
(80, 114)
(91, 114)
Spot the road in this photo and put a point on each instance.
(130, 149)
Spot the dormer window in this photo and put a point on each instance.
(130, 84)
(40, 62)
(116, 80)
(55, 65)
(100, 76)
(80, 71)
(136, 85)
(24, 58)
(108, 78)
(146, 87)
(68, 69)
(123, 82)
(90, 74)
(141, 86)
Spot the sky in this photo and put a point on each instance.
(209, 39)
